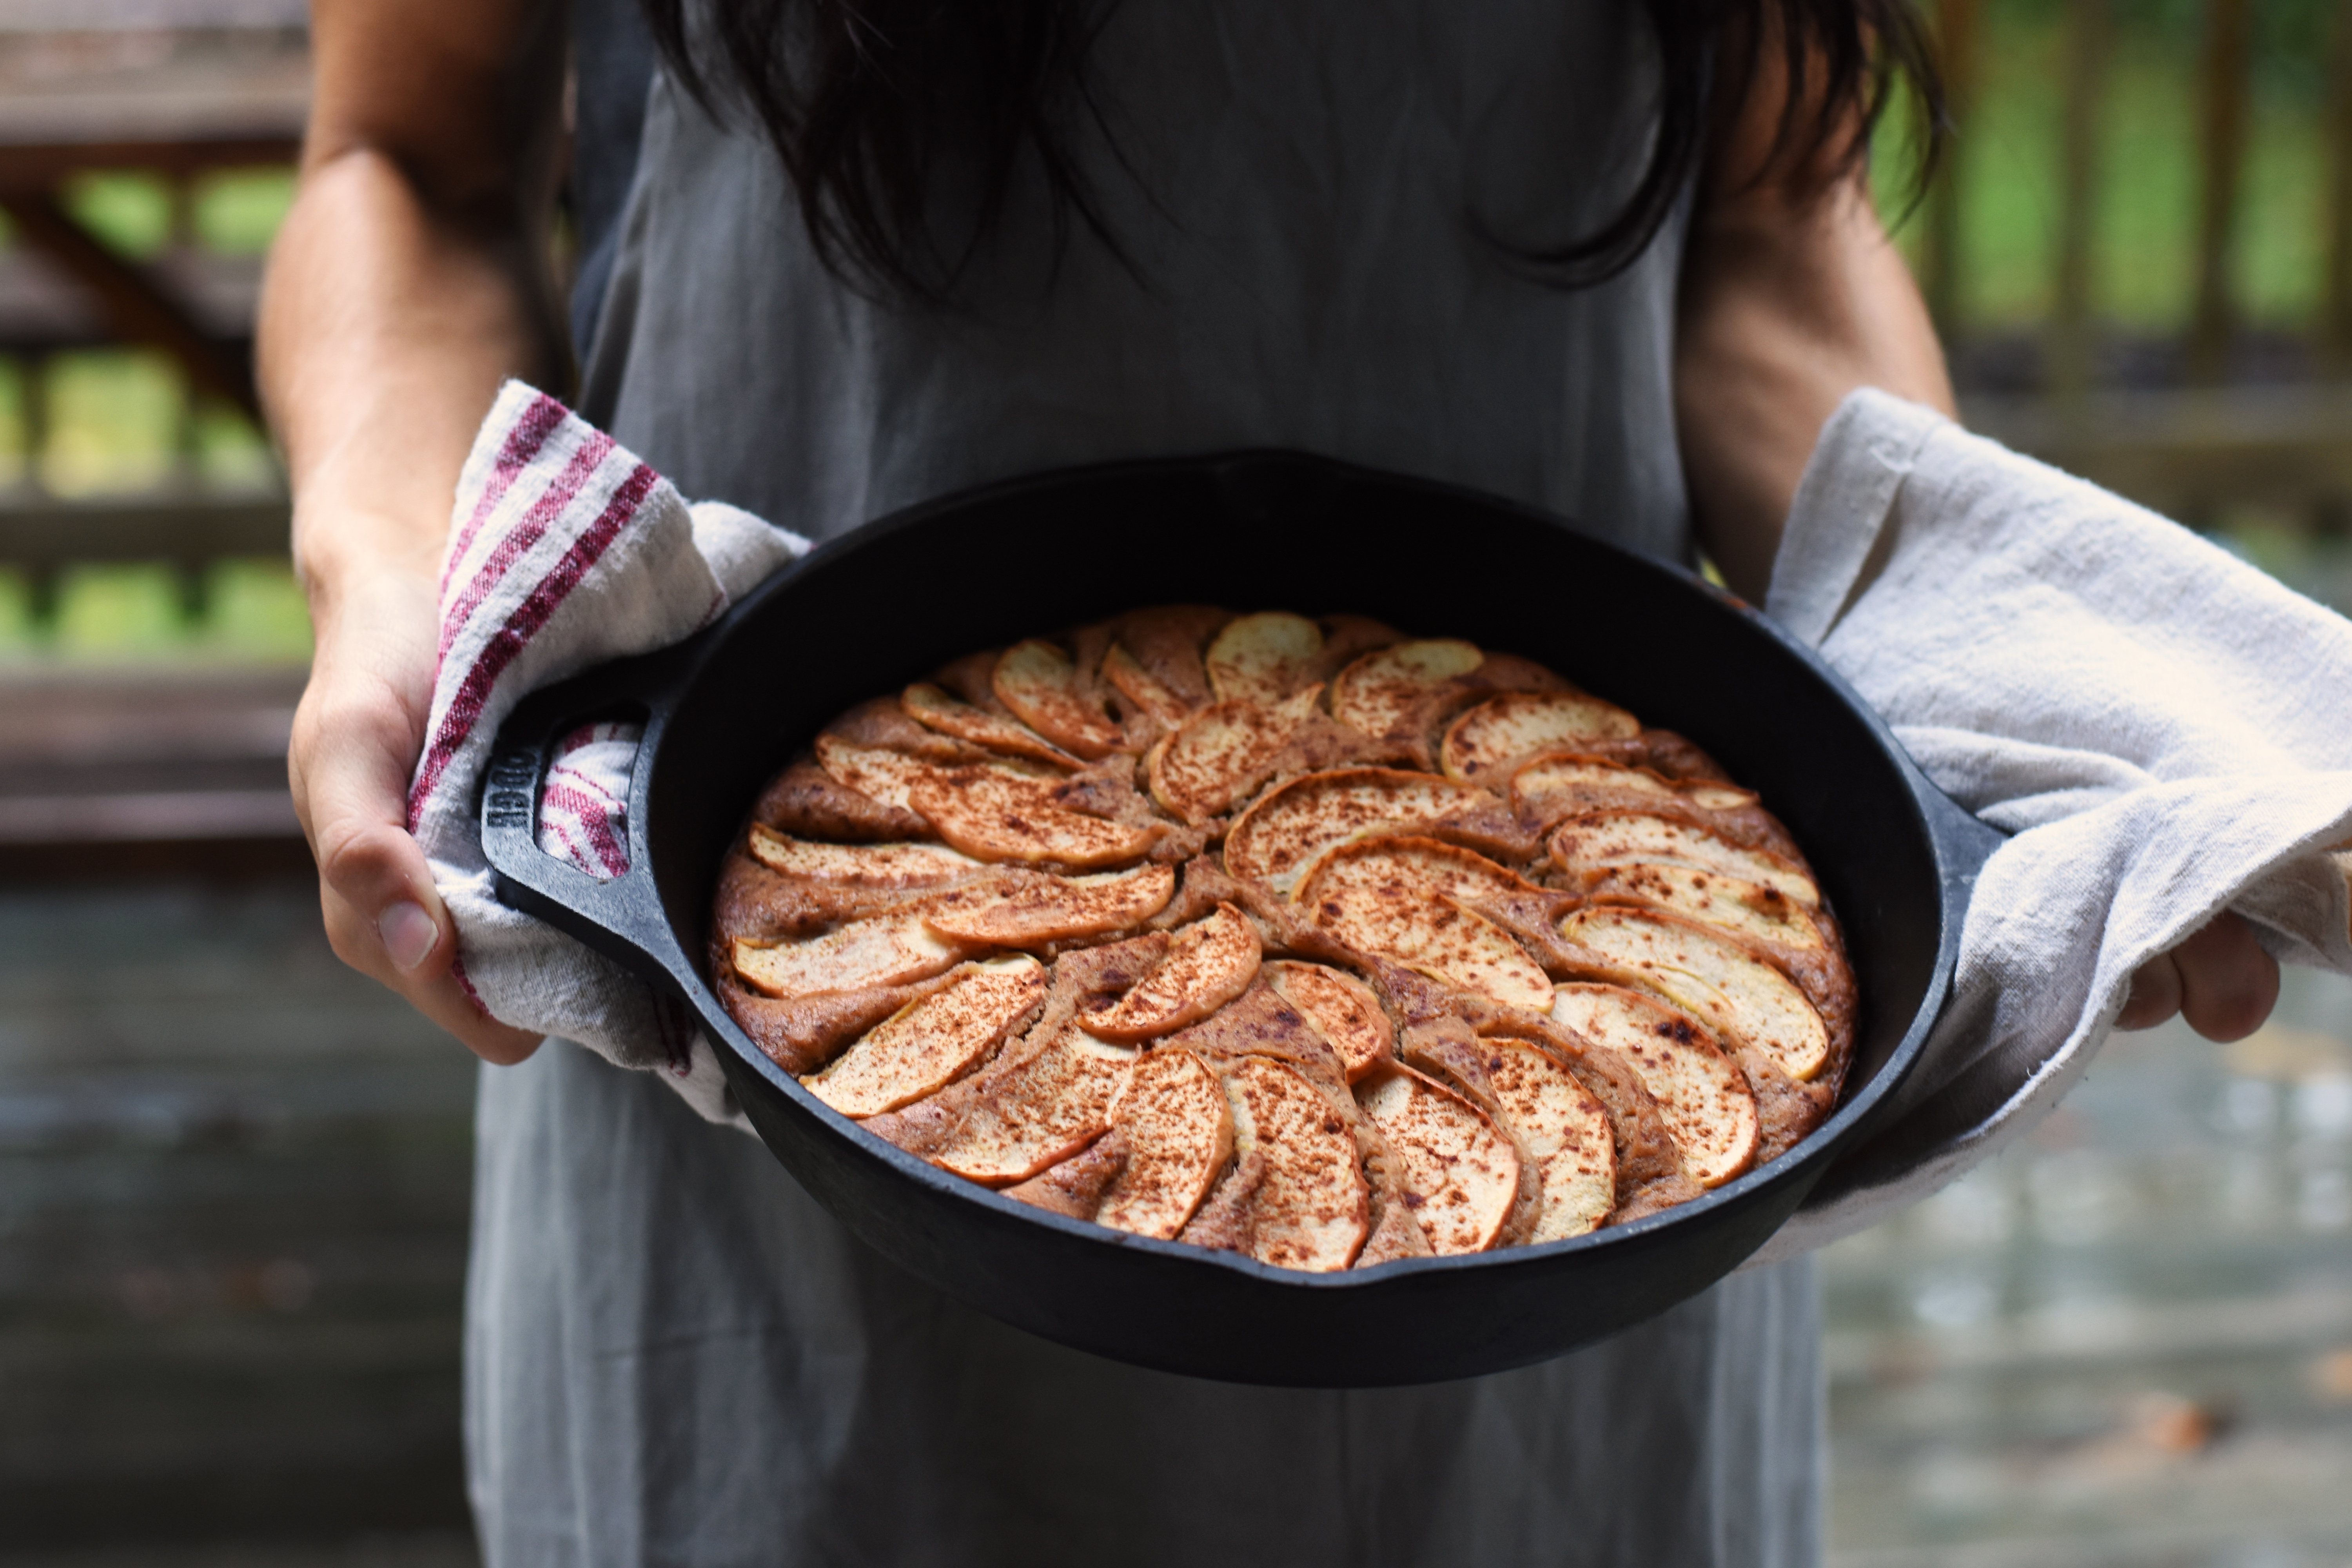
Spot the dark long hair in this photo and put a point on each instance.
(868, 101)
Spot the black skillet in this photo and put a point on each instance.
(882, 606)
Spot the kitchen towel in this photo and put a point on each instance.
(565, 552)
(2165, 730)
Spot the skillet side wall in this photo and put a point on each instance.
(886, 603)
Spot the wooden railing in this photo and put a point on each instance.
(2199, 444)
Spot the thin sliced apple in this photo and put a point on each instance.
(1705, 973)
(1502, 730)
(1605, 839)
(930, 1044)
(1398, 865)
(1262, 658)
(1178, 1128)
(1038, 1111)
(1038, 682)
(888, 950)
(860, 865)
(1276, 838)
(995, 813)
(950, 715)
(1312, 1207)
(1708, 1108)
(1017, 910)
(1564, 1130)
(1343, 1009)
(1745, 908)
(1210, 962)
(1462, 1168)
(1433, 935)
(1223, 751)
(1382, 693)
(875, 771)
(1143, 688)
(1564, 785)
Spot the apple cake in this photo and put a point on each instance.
(1300, 939)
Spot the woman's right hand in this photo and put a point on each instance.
(357, 735)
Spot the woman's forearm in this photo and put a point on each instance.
(412, 275)
(1788, 304)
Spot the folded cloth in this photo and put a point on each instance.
(2167, 731)
(565, 552)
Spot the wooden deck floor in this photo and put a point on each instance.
(234, 1182)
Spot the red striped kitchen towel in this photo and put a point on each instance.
(565, 551)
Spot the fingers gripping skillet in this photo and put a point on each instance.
(1300, 939)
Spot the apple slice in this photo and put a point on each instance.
(1705, 973)
(1502, 730)
(1565, 1131)
(1464, 1169)
(1750, 909)
(890, 949)
(931, 1043)
(1211, 961)
(1342, 1008)
(1035, 1112)
(1262, 658)
(1038, 682)
(927, 705)
(1402, 863)
(1382, 693)
(1030, 910)
(1276, 838)
(1312, 1207)
(1708, 1108)
(1549, 788)
(1433, 935)
(1178, 1128)
(860, 865)
(875, 771)
(1607, 838)
(1223, 751)
(1143, 688)
(994, 813)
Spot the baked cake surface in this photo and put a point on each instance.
(1300, 939)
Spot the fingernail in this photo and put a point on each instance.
(407, 933)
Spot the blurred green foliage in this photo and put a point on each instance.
(2006, 155)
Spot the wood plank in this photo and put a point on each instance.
(182, 527)
(2335, 309)
(1956, 42)
(2080, 95)
(2220, 157)
(2186, 453)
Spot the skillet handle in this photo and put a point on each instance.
(1963, 844)
(621, 919)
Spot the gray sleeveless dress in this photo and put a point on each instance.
(673, 1355)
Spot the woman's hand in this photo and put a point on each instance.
(2219, 982)
(357, 735)
(411, 278)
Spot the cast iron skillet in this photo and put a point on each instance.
(882, 606)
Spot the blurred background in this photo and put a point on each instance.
(233, 1178)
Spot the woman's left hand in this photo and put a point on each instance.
(2219, 981)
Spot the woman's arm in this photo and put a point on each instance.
(411, 278)
(1791, 297)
